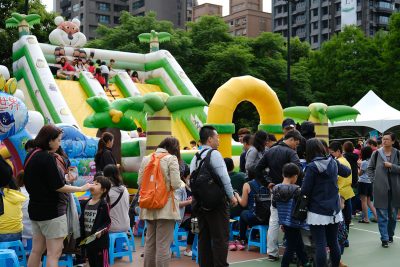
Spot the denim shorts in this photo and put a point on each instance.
(51, 229)
(10, 237)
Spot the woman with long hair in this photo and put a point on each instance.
(320, 186)
(119, 200)
(104, 155)
(48, 203)
(161, 222)
(256, 151)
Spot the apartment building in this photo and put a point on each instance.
(107, 12)
(206, 9)
(316, 21)
(246, 18)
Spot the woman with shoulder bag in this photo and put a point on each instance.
(320, 186)
(119, 200)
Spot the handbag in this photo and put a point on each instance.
(300, 209)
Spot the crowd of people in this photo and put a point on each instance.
(336, 181)
(71, 69)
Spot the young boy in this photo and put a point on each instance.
(284, 200)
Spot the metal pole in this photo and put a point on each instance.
(26, 7)
(289, 27)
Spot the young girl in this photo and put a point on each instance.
(95, 219)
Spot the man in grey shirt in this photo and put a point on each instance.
(214, 224)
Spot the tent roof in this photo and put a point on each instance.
(374, 113)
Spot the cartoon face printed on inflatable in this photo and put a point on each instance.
(6, 122)
(67, 33)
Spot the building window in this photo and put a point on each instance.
(385, 5)
(116, 20)
(315, 12)
(338, 21)
(383, 20)
(358, 15)
(325, 10)
(315, 39)
(119, 8)
(103, 19)
(76, 7)
(138, 4)
(315, 25)
(324, 24)
(104, 6)
(81, 3)
(338, 7)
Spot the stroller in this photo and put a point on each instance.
(309, 247)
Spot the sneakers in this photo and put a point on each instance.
(189, 254)
(362, 221)
(232, 246)
(240, 245)
(385, 244)
(272, 258)
(391, 239)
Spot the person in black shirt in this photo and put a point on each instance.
(47, 202)
(104, 155)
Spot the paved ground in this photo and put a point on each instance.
(365, 250)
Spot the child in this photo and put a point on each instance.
(184, 195)
(100, 77)
(284, 196)
(95, 218)
(105, 71)
(342, 233)
(365, 186)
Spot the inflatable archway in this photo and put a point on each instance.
(230, 94)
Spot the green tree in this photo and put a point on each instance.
(346, 67)
(391, 55)
(9, 36)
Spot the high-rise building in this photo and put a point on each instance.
(246, 18)
(316, 21)
(107, 12)
(206, 9)
(190, 5)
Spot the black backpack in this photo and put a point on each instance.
(262, 203)
(207, 189)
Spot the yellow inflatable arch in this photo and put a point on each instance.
(230, 94)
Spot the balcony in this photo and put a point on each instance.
(384, 7)
(280, 2)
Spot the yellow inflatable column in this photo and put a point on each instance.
(230, 94)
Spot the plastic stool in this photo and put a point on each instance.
(65, 260)
(117, 249)
(180, 240)
(7, 256)
(195, 250)
(27, 245)
(234, 232)
(18, 247)
(143, 234)
(132, 240)
(262, 242)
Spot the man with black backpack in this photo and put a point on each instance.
(212, 191)
(273, 161)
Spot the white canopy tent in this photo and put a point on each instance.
(374, 113)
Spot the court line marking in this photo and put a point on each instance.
(257, 259)
(369, 231)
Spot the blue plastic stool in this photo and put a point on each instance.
(262, 242)
(132, 240)
(140, 229)
(28, 245)
(234, 232)
(8, 256)
(195, 250)
(143, 234)
(117, 246)
(18, 247)
(180, 240)
(65, 260)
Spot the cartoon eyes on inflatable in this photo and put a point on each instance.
(60, 20)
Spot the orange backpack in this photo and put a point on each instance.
(153, 190)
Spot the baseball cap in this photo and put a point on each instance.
(288, 123)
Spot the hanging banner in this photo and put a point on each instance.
(349, 13)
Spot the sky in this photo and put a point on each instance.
(225, 4)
